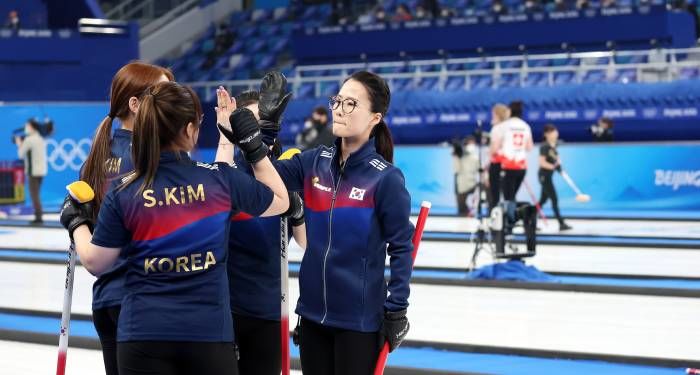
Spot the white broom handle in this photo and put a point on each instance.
(65, 314)
(571, 183)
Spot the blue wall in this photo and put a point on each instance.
(624, 180)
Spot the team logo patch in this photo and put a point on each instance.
(357, 194)
(326, 154)
(377, 164)
(314, 182)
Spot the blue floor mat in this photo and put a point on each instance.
(419, 358)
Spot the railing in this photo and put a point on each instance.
(155, 24)
(141, 10)
(661, 65)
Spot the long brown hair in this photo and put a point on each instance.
(165, 110)
(130, 81)
(379, 97)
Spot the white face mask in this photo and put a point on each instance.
(471, 148)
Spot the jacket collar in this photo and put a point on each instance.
(363, 153)
(173, 156)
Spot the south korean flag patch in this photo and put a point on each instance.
(357, 194)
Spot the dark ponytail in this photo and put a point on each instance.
(130, 81)
(380, 97)
(94, 167)
(383, 141)
(165, 110)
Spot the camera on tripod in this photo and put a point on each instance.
(505, 217)
(45, 128)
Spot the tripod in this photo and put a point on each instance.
(482, 237)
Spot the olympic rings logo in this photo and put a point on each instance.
(67, 153)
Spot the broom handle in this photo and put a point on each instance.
(417, 235)
(571, 183)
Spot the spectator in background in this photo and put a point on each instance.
(561, 5)
(403, 14)
(498, 8)
(12, 22)
(608, 4)
(465, 164)
(582, 4)
(380, 15)
(603, 130)
(32, 150)
(224, 38)
(422, 14)
(432, 7)
(316, 130)
(532, 6)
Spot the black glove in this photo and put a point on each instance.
(394, 328)
(246, 134)
(558, 168)
(273, 101)
(295, 212)
(74, 214)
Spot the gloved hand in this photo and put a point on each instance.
(273, 101)
(245, 133)
(394, 328)
(295, 213)
(558, 168)
(74, 214)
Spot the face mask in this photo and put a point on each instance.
(471, 148)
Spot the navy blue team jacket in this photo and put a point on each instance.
(355, 214)
(176, 233)
(108, 289)
(254, 262)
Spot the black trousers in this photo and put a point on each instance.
(462, 206)
(494, 184)
(258, 342)
(548, 192)
(333, 351)
(34, 188)
(176, 358)
(512, 179)
(105, 321)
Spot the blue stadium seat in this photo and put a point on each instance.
(454, 84)
(594, 76)
(306, 90)
(428, 84)
(479, 82)
(563, 78)
(536, 80)
(509, 80)
(625, 76)
(688, 73)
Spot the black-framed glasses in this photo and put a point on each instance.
(348, 104)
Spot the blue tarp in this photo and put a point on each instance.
(513, 270)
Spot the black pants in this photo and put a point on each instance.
(258, 343)
(494, 184)
(105, 321)
(511, 183)
(334, 351)
(462, 206)
(548, 192)
(176, 358)
(34, 188)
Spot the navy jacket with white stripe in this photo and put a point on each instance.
(355, 214)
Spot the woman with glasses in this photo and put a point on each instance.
(357, 211)
(171, 219)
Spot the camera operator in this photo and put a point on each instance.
(32, 150)
(516, 143)
(465, 162)
(499, 113)
(317, 130)
(603, 130)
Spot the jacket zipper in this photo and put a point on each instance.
(330, 234)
